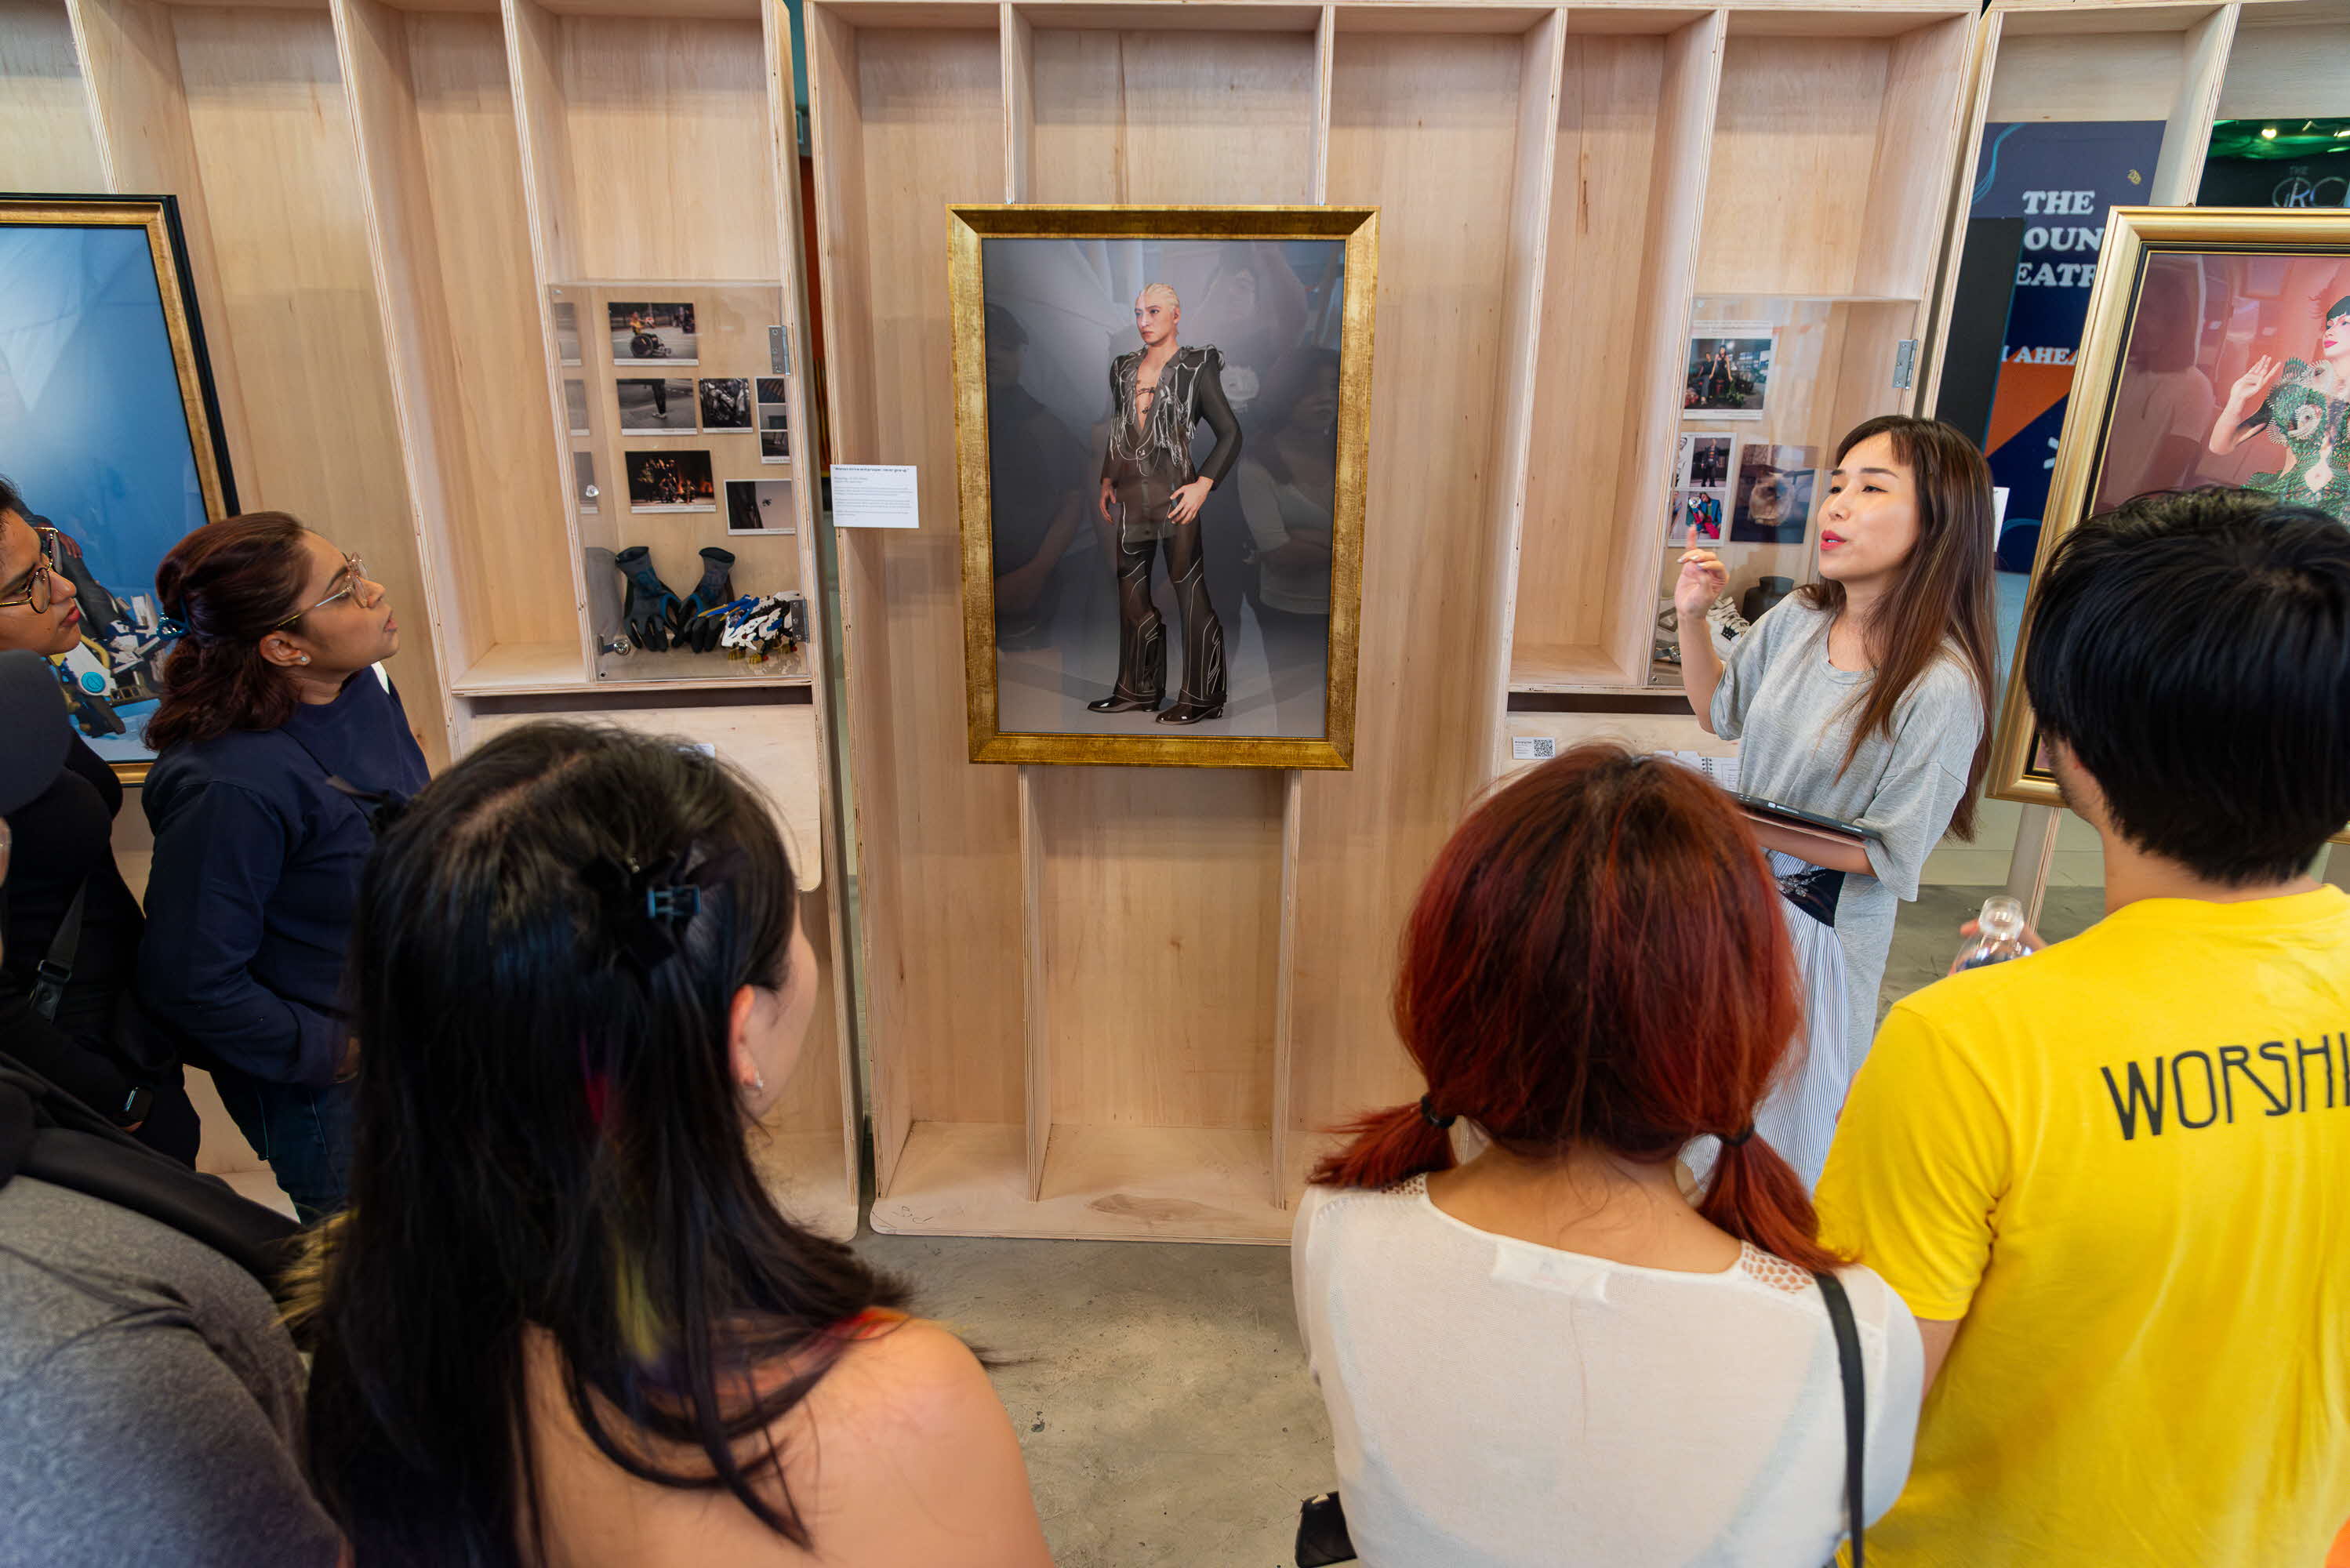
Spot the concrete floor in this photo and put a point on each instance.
(1159, 1389)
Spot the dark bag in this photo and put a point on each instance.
(1322, 1533)
(1321, 1536)
(46, 1134)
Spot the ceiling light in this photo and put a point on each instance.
(2268, 134)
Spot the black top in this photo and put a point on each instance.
(256, 876)
(63, 838)
(1189, 392)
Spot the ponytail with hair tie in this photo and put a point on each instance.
(1388, 1147)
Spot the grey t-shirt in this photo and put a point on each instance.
(152, 1401)
(1792, 714)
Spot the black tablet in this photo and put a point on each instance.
(1796, 817)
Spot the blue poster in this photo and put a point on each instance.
(2060, 178)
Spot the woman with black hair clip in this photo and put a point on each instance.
(580, 981)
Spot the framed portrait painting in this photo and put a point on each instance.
(2217, 351)
(1161, 423)
(110, 431)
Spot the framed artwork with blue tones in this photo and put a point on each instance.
(110, 431)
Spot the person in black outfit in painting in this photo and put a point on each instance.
(1152, 490)
(66, 908)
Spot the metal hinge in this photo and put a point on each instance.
(1905, 364)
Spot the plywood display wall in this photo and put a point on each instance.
(1126, 1002)
(378, 199)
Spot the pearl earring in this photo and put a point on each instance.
(301, 659)
(758, 1083)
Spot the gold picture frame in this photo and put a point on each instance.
(2138, 239)
(970, 231)
(121, 351)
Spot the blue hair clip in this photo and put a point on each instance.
(646, 911)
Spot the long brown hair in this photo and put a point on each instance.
(1597, 957)
(231, 584)
(1943, 594)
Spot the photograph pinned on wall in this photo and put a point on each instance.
(575, 404)
(726, 403)
(774, 436)
(584, 491)
(1695, 517)
(1772, 501)
(771, 391)
(646, 333)
(1729, 374)
(759, 506)
(566, 330)
(648, 405)
(1708, 458)
(671, 482)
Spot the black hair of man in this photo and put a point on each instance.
(2192, 648)
(11, 499)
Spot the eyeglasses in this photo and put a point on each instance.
(355, 576)
(37, 593)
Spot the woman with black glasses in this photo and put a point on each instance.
(69, 923)
(279, 743)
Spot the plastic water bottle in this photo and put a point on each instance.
(1999, 936)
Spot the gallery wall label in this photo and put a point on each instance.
(876, 495)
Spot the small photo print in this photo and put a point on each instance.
(1773, 494)
(771, 390)
(1706, 458)
(1695, 517)
(671, 482)
(1729, 368)
(583, 480)
(726, 404)
(759, 506)
(656, 405)
(774, 437)
(644, 333)
(575, 404)
(566, 330)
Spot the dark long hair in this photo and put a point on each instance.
(230, 584)
(1597, 959)
(1943, 594)
(550, 1138)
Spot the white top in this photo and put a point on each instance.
(1496, 1402)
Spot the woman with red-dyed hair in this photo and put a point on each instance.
(1551, 1354)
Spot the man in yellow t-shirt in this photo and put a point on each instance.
(2112, 1180)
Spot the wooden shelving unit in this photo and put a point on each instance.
(1099, 1002)
(1124, 1002)
(380, 200)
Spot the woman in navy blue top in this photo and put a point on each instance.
(277, 742)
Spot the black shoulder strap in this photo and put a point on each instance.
(56, 968)
(49, 1134)
(1856, 1404)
